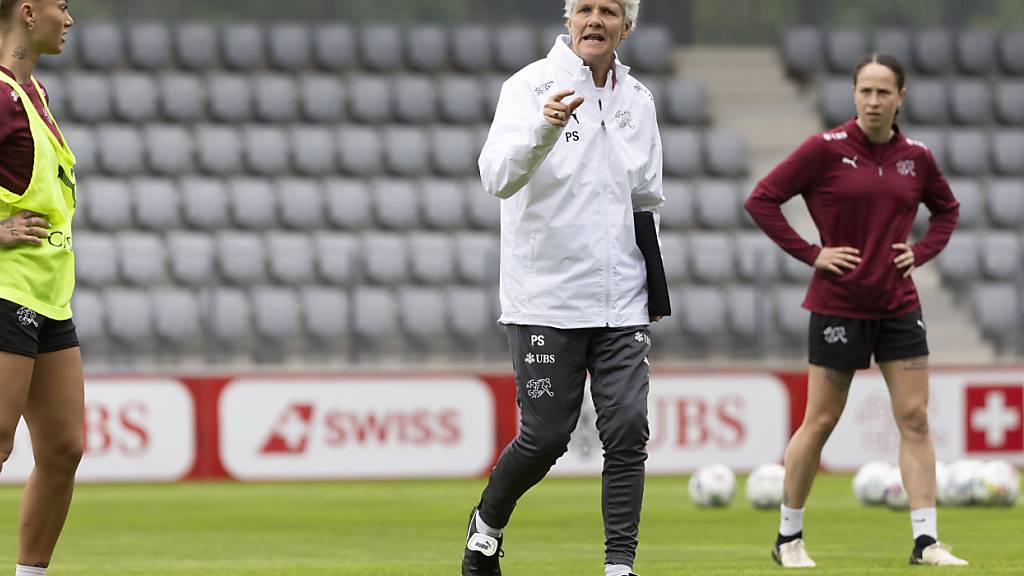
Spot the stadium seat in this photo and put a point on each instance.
(432, 257)
(472, 315)
(386, 260)
(1008, 152)
(266, 150)
(395, 203)
(87, 307)
(959, 262)
(515, 46)
(338, 259)
(749, 314)
(482, 209)
(791, 318)
(110, 203)
(441, 204)
(1002, 255)
(968, 192)
(933, 51)
(380, 47)
(347, 203)
(682, 156)
(650, 50)
(101, 44)
(927, 102)
(375, 318)
(323, 98)
(673, 256)
(1009, 102)
(835, 100)
(183, 97)
(976, 52)
(968, 152)
(277, 98)
(546, 38)
(802, 52)
(325, 314)
(156, 203)
(277, 318)
(82, 140)
(204, 202)
(716, 205)
(242, 45)
(896, 42)
(422, 312)
(288, 46)
(843, 49)
(241, 257)
(426, 48)
(369, 99)
(95, 259)
(218, 150)
(135, 97)
(454, 151)
(687, 102)
(169, 149)
(677, 212)
(407, 151)
(471, 49)
(141, 258)
(711, 257)
(228, 313)
(1011, 52)
(120, 149)
(334, 47)
(704, 312)
(414, 99)
(758, 259)
(252, 204)
(300, 204)
(795, 270)
(1006, 202)
(971, 102)
(176, 318)
(149, 45)
(54, 92)
(195, 45)
(129, 316)
(230, 98)
(477, 257)
(725, 153)
(491, 90)
(192, 259)
(997, 309)
(313, 150)
(98, 107)
(935, 140)
(460, 99)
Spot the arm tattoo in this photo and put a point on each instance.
(838, 378)
(20, 53)
(916, 364)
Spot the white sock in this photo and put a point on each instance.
(617, 570)
(924, 522)
(482, 526)
(791, 520)
(20, 570)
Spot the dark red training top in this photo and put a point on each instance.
(16, 147)
(865, 196)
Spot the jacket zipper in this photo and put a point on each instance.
(607, 243)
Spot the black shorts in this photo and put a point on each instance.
(28, 333)
(848, 343)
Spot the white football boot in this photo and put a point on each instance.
(937, 554)
(792, 555)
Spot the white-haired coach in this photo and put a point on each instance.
(573, 153)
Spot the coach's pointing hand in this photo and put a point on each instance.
(556, 112)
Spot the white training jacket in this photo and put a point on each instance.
(569, 257)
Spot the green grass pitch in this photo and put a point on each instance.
(417, 528)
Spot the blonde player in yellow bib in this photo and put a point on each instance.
(40, 364)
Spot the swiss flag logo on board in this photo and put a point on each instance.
(995, 418)
(290, 434)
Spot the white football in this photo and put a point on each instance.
(1000, 482)
(765, 485)
(895, 494)
(870, 482)
(963, 483)
(712, 486)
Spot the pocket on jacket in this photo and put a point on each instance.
(563, 274)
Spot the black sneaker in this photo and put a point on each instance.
(482, 552)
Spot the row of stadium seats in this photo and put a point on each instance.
(997, 203)
(313, 97)
(994, 255)
(274, 150)
(963, 101)
(334, 46)
(809, 51)
(973, 151)
(998, 308)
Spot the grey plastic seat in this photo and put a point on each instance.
(997, 309)
(682, 152)
(667, 333)
(843, 49)
(677, 212)
(969, 193)
(835, 100)
(338, 258)
(758, 259)
(432, 257)
(347, 203)
(1006, 202)
(375, 318)
(1008, 152)
(491, 90)
(426, 48)
(1009, 102)
(82, 140)
(971, 102)
(87, 307)
(135, 97)
(386, 258)
(927, 102)
(473, 315)
(110, 203)
(711, 257)
(749, 312)
(380, 47)
(687, 102)
(218, 150)
(277, 314)
(141, 258)
(414, 99)
(191, 258)
(169, 149)
(896, 42)
(204, 202)
(183, 97)
(149, 45)
(129, 316)
(334, 46)
(968, 152)
(267, 152)
(933, 51)
(976, 51)
(422, 313)
(252, 204)
(241, 257)
(716, 204)
(796, 270)
(300, 204)
(195, 45)
(454, 151)
(101, 44)
(959, 262)
(54, 92)
(1002, 255)
(650, 51)
(476, 256)
(704, 311)
(460, 101)
(441, 204)
(472, 51)
(95, 259)
(725, 153)
(407, 151)
(802, 52)
(515, 46)
(369, 99)
(120, 149)
(791, 317)
(228, 314)
(313, 150)
(176, 317)
(323, 98)
(156, 203)
(482, 209)
(395, 203)
(243, 47)
(673, 256)
(98, 107)
(325, 313)
(1011, 53)
(288, 46)
(277, 98)
(935, 140)
(230, 98)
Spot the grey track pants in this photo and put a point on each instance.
(551, 367)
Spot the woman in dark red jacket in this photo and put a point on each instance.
(862, 183)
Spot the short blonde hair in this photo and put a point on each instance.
(631, 9)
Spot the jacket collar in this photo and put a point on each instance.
(853, 129)
(569, 62)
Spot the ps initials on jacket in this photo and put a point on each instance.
(568, 251)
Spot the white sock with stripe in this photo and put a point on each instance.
(617, 570)
(20, 570)
(924, 522)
